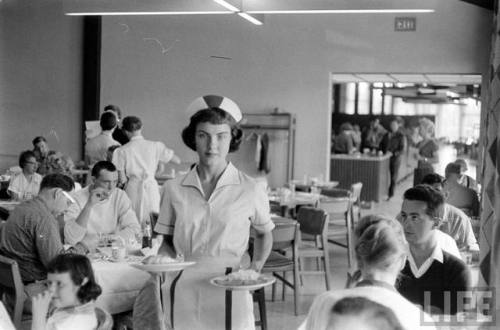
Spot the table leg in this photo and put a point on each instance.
(229, 304)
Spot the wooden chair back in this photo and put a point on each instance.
(11, 283)
(312, 221)
(285, 235)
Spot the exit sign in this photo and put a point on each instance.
(405, 24)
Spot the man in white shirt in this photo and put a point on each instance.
(433, 275)
(101, 208)
(455, 222)
(96, 149)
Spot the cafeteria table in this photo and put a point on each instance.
(120, 283)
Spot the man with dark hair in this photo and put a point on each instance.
(41, 151)
(434, 272)
(455, 222)
(96, 149)
(31, 234)
(457, 195)
(118, 134)
(101, 208)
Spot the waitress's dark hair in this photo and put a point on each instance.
(78, 266)
(214, 116)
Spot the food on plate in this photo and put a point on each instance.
(158, 259)
(242, 277)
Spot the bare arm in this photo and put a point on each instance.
(261, 249)
(167, 247)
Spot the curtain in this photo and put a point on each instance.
(489, 237)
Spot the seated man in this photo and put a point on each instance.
(455, 222)
(101, 208)
(96, 149)
(466, 180)
(31, 235)
(432, 276)
(457, 195)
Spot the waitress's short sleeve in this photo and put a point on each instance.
(261, 220)
(166, 154)
(166, 218)
(119, 159)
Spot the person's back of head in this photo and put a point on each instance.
(452, 172)
(132, 124)
(115, 109)
(108, 121)
(380, 244)
(463, 165)
(435, 180)
(57, 180)
(351, 312)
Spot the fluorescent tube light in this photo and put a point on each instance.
(227, 5)
(250, 18)
(343, 11)
(136, 13)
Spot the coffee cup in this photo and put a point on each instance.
(118, 253)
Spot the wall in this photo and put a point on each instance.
(285, 63)
(40, 78)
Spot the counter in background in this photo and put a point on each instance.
(372, 171)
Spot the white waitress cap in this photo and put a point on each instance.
(215, 101)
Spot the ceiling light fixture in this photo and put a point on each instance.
(136, 13)
(249, 18)
(227, 5)
(343, 11)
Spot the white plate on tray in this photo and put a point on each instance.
(163, 268)
(262, 281)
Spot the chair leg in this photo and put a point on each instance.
(326, 260)
(301, 277)
(284, 287)
(261, 299)
(296, 290)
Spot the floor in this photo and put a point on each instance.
(281, 313)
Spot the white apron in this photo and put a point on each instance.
(200, 305)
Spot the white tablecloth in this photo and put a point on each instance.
(120, 284)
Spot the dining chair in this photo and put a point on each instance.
(11, 284)
(340, 224)
(314, 223)
(356, 201)
(285, 238)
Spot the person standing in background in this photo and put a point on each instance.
(96, 149)
(374, 135)
(344, 143)
(396, 143)
(118, 134)
(137, 163)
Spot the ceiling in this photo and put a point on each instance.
(420, 88)
(250, 6)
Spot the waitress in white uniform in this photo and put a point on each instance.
(137, 162)
(206, 215)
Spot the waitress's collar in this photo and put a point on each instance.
(230, 176)
(137, 137)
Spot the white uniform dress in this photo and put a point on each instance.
(139, 160)
(214, 233)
